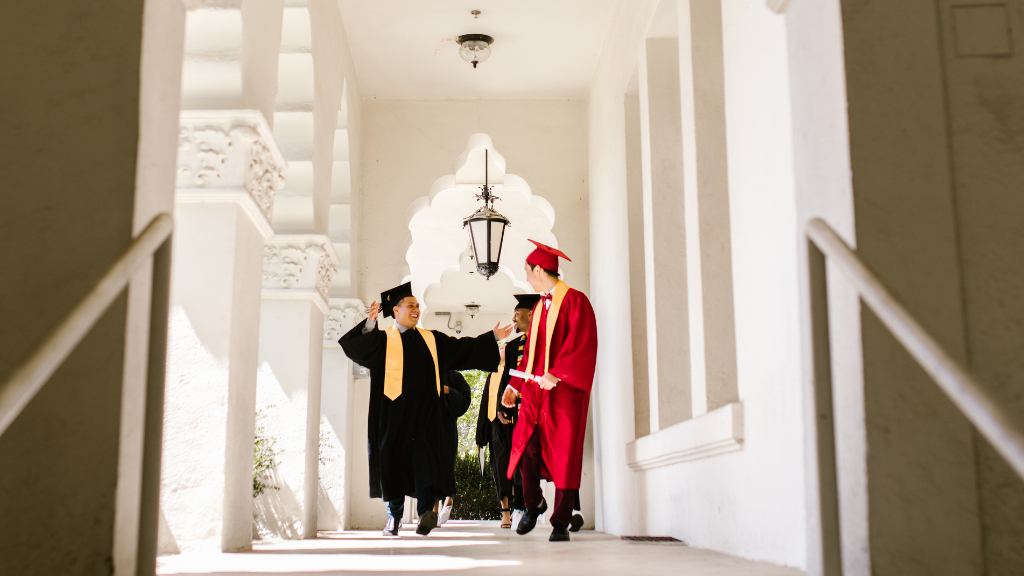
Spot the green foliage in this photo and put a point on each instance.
(477, 498)
(467, 422)
(265, 453)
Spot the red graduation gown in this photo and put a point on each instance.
(560, 413)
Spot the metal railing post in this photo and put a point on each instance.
(149, 512)
(824, 422)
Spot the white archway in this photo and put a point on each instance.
(438, 255)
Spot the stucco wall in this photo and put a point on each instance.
(983, 95)
(749, 503)
(407, 144)
(921, 487)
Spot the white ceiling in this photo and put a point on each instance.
(405, 49)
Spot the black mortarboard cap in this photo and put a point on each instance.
(390, 298)
(526, 301)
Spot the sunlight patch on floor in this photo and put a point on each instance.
(469, 548)
(297, 563)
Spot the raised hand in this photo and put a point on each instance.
(502, 333)
(374, 310)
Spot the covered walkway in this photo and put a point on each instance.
(469, 548)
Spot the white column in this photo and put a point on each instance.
(297, 273)
(706, 197)
(668, 346)
(337, 447)
(228, 172)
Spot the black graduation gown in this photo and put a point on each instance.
(414, 424)
(458, 398)
(495, 434)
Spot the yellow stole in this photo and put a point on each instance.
(394, 361)
(557, 295)
(492, 393)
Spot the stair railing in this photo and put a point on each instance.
(26, 381)
(152, 245)
(967, 394)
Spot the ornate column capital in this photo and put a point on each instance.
(299, 266)
(343, 315)
(229, 155)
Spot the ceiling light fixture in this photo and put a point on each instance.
(486, 229)
(472, 310)
(475, 48)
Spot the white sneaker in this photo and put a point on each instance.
(517, 516)
(446, 511)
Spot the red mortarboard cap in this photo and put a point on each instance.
(546, 257)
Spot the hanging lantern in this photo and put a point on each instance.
(486, 231)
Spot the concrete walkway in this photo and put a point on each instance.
(471, 548)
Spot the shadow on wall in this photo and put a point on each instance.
(331, 491)
(274, 511)
(165, 544)
(328, 517)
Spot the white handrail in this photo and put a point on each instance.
(959, 385)
(33, 373)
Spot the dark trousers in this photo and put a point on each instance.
(500, 451)
(426, 495)
(518, 502)
(424, 503)
(531, 467)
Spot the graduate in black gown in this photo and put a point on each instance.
(408, 448)
(458, 394)
(496, 423)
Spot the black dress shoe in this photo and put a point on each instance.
(576, 523)
(530, 518)
(558, 534)
(392, 527)
(427, 523)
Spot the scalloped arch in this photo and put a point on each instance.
(437, 245)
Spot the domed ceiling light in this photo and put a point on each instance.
(475, 48)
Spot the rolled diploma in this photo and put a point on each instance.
(523, 375)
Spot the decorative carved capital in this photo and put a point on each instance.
(343, 315)
(230, 149)
(293, 264)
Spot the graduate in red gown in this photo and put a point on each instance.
(561, 351)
